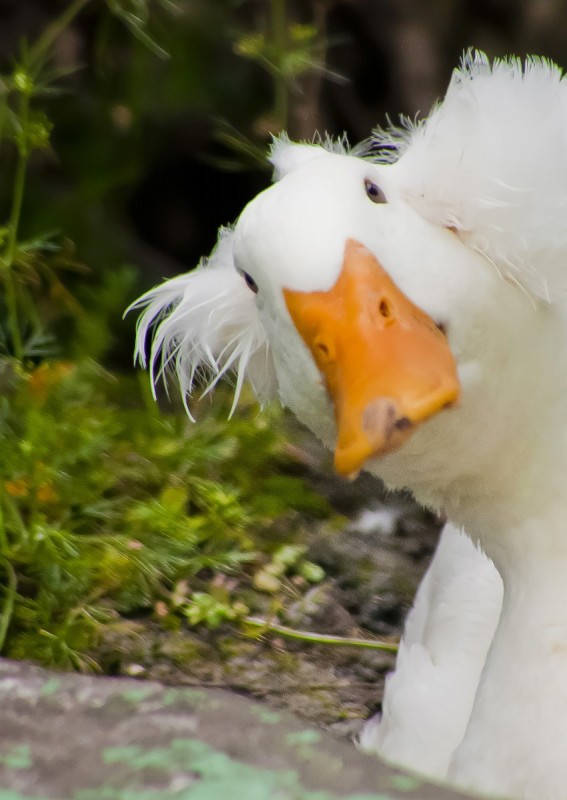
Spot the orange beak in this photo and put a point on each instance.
(385, 363)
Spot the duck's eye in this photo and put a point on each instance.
(374, 192)
(250, 282)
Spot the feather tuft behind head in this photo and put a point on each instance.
(285, 155)
(490, 162)
(203, 326)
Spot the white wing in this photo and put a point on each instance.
(429, 697)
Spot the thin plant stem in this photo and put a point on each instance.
(319, 638)
(15, 517)
(14, 224)
(304, 118)
(3, 107)
(34, 60)
(3, 537)
(53, 31)
(8, 608)
(281, 89)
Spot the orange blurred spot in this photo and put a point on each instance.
(17, 488)
(47, 375)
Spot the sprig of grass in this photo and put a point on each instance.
(287, 52)
(256, 626)
(43, 46)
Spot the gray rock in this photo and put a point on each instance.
(78, 737)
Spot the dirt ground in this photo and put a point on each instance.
(373, 565)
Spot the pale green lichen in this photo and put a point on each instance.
(18, 757)
(213, 775)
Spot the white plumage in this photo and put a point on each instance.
(471, 229)
(481, 163)
(428, 699)
(208, 326)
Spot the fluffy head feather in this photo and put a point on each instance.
(490, 161)
(205, 325)
(285, 155)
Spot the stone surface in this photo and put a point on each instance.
(78, 737)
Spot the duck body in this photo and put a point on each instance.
(465, 218)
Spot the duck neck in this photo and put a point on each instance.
(521, 524)
(519, 514)
(521, 702)
(520, 707)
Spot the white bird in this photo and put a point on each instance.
(411, 309)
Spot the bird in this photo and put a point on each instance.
(407, 300)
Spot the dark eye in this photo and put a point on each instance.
(374, 192)
(250, 282)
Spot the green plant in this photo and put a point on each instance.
(288, 558)
(289, 52)
(30, 269)
(106, 505)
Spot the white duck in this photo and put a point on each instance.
(372, 294)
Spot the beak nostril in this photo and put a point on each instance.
(324, 350)
(441, 327)
(402, 424)
(384, 308)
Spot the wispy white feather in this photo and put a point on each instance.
(490, 161)
(203, 326)
(285, 155)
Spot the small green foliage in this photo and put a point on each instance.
(312, 573)
(24, 278)
(287, 560)
(289, 51)
(204, 608)
(107, 508)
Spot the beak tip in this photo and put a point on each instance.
(352, 476)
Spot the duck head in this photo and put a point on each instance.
(385, 333)
(411, 312)
(382, 362)
(384, 329)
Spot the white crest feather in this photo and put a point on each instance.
(491, 162)
(205, 325)
(285, 155)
